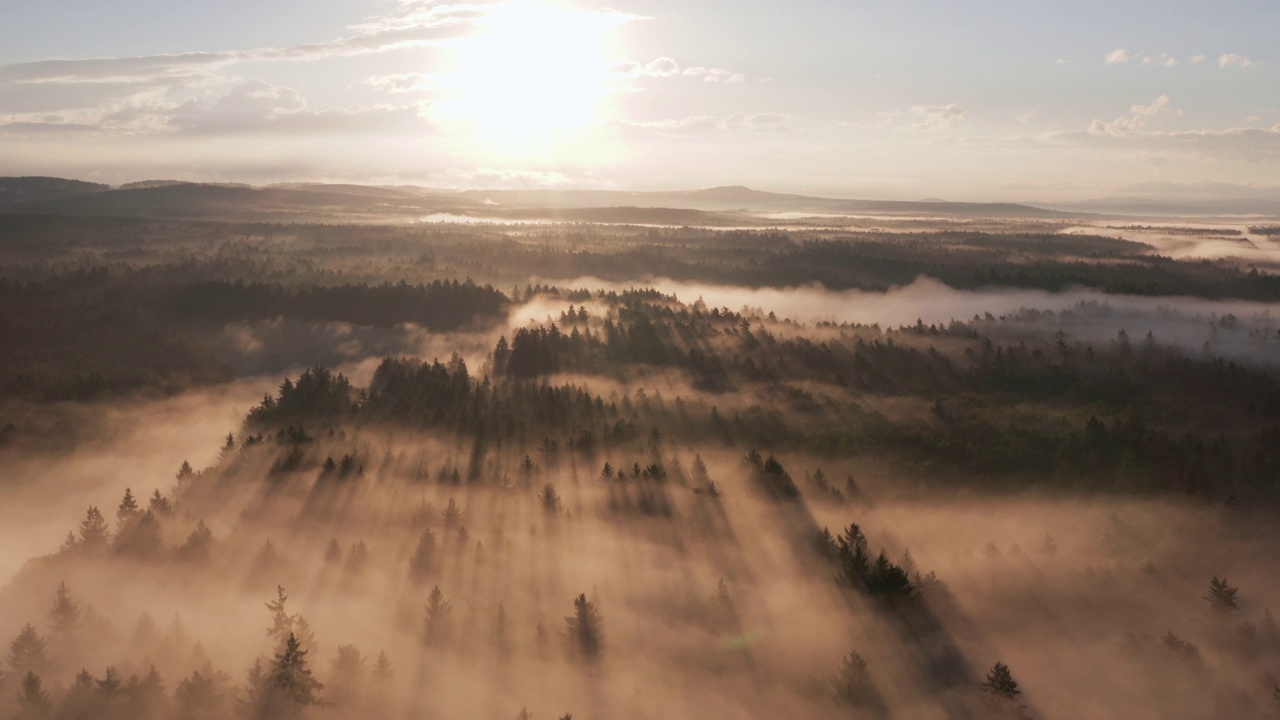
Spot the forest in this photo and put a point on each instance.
(926, 467)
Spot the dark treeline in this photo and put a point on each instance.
(1056, 412)
(85, 333)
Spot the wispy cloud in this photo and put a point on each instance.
(752, 122)
(1234, 60)
(1118, 56)
(665, 67)
(922, 117)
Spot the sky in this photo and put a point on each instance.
(1017, 100)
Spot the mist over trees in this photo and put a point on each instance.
(496, 471)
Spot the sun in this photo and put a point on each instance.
(533, 74)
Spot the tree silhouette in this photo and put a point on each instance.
(852, 684)
(550, 500)
(282, 623)
(349, 671)
(585, 631)
(33, 701)
(128, 507)
(437, 618)
(290, 686)
(1222, 596)
(333, 552)
(80, 701)
(382, 670)
(501, 630)
(423, 559)
(452, 514)
(160, 504)
(1000, 683)
(198, 697)
(64, 616)
(199, 545)
(94, 534)
(28, 652)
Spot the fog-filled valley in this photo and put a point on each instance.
(858, 461)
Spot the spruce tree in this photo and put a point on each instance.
(198, 697)
(1222, 596)
(290, 686)
(33, 701)
(437, 618)
(28, 652)
(128, 507)
(64, 616)
(94, 534)
(585, 631)
(424, 555)
(1000, 683)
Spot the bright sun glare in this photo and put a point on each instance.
(534, 73)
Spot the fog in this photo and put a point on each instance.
(695, 501)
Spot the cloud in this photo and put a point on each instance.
(1126, 126)
(1118, 56)
(249, 107)
(1246, 144)
(665, 67)
(1161, 106)
(921, 117)
(402, 83)
(662, 67)
(758, 122)
(1197, 59)
(391, 32)
(1164, 59)
(714, 75)
(1234, 60)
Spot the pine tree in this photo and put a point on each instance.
(382, 670)
(228, 448)
(80, 701)
(33, 701)
(128, 507)
(64, 616)
(94, 535)
(524, 714)
(160, 504)
(146, 696)
(333, 552)
(424, 555)
(28, 652)
(501, 630)
(585, 631)
(267, 560)
(140, 537)
(1000, 683)
(255, 691)
(199, 545)
(550, 500)
(357, 558)
(852, 684)
(452, 514)
(437, 619)
(282, 622)
(349, 671)
(290, 686)
(1222, 596)
(198, 697)
(184, 477)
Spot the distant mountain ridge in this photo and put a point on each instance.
(27, 189)
(330, 202)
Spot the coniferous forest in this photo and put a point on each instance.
(894, 467)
